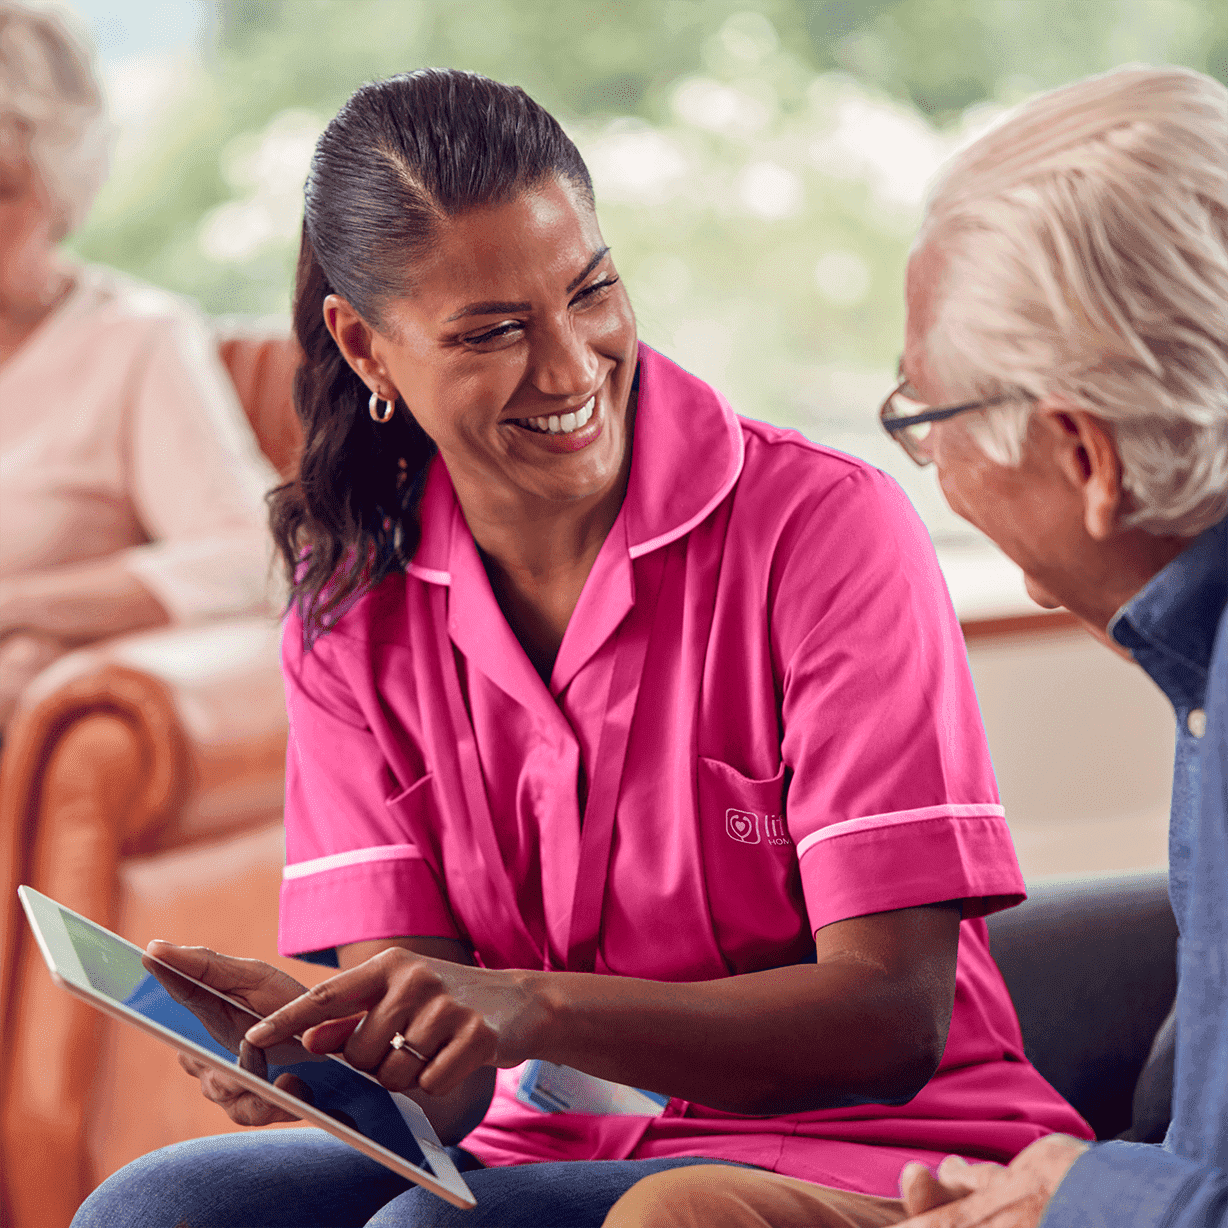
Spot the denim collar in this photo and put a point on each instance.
(1169, 625)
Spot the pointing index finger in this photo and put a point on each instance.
(348, 993)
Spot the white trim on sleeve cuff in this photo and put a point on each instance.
(354, 857)
(948, 810)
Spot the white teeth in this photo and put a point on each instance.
(564, 424)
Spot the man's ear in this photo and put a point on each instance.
(354, 337)
(1088, 453)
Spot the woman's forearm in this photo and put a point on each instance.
(851, 1028)
(784, 1041)
(865, 1023)
(80, 603)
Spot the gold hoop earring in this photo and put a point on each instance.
(372, 406)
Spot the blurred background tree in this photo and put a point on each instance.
(759, 164)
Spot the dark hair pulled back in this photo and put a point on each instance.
(400, 157)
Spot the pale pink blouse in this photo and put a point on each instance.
(120, 431)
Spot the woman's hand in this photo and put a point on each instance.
(262, 989)
(458, 1017)
(79, 603)
(242, 1105)
(23, 656)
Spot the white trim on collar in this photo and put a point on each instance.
(663, 539)
(429, 574)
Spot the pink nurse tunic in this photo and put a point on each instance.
(760, 721)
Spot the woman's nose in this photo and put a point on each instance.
(564, 364)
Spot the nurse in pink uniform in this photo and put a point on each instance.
(627, 735)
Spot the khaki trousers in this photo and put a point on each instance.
(720, 1196)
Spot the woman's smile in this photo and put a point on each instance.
(565, 423)
(569, 431)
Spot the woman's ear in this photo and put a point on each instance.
(353, 336)
(1088, 454)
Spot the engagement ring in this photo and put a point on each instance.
(399, 1042)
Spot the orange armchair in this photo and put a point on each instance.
(141, 784)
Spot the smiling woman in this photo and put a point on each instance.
(642, 835)
(464, 361)
(450, 344)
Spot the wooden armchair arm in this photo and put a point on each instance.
(141, 744)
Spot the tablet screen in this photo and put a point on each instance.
(121, 972)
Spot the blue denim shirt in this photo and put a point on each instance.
(1177, 631)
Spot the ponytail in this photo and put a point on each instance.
(349, 517)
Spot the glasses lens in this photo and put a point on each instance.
(911, 438)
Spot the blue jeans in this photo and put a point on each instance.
(305, 1178)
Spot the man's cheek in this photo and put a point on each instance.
(958, 501)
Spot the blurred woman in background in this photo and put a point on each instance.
(131, 486)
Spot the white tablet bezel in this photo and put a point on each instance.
(66, 971)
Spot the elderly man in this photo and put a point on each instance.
(1066, 372)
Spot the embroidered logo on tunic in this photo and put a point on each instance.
(774, 829)
(744, 827)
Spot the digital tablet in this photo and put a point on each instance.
(121, 980)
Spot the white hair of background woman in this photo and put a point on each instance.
(51, 103)
(1086, 241)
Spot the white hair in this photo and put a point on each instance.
(1086, 260)
(51, 107)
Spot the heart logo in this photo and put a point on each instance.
(742, 826)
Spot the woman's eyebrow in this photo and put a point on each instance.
(598, 256)
(497, 308)
(487, 309)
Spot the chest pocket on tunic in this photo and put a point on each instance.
(750, 867)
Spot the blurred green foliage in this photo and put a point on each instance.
(758, 162)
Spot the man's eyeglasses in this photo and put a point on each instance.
(908, 420)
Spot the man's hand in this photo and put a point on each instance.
(969, 1195)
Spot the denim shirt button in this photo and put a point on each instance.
(1196, 722)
